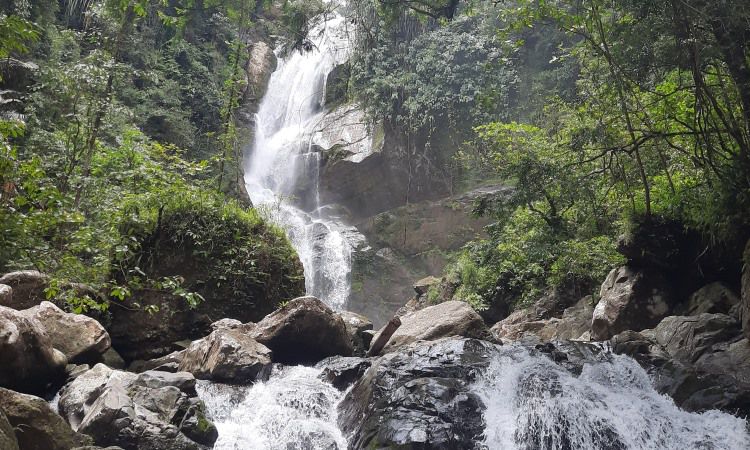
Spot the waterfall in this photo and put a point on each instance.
(282, 171)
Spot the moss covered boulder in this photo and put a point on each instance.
(198, 260)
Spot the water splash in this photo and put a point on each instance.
(282, 173)
(532, 403)
(292, 410)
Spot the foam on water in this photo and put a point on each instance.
(293, 410)
(532, 403)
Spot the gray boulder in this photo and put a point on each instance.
(573, 323)
(631, 299)
(81, 338)
(305, 330)
(8, 439)
(227, 355)
(6, 295)
(711, 372)
(713, 298)
(687, 338)
(28, 362)
(37, 426)
(358, 327)
(167, 363)
(226, 324)
(342, 371)
(452, 318)
(732, 359)
(154, 410)
(28, 288)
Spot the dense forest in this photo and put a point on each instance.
(601, 115)
(539, 200)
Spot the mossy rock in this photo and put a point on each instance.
(241, 266)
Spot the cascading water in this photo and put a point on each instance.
(533, 403)
(294, 409)
(282, 170)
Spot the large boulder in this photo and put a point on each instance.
(8, 439)
(745, 308)
(81, 338)
(304, 330)
(687, 338)
(37, 426)
(358, 327)
(203, 260)
(419, 397)
(712, 298)
(342, 371)
(154, 410)
(137, 334)
(166, 363)
(573, 323)
(28, 362)
(711, 371)
(28, 288)
(452, 318)
(631, 299)
(227, 355)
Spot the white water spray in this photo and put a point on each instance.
(283, 169)
(533, 403)
(294, 409)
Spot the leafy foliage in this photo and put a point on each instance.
(127, 126)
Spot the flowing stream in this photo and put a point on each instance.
(531, 402)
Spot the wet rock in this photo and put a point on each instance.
(305, 330)
(357, 327)
(37, 426)
(452, 318)
(154, 410)
(731, 359)
(687, 338)
(631, 299)
(228, 356)
(8, 439)
(28, 288)
(418, 397)
(29, 363)
(81, 338)
(632, 343)
(713, 298)
(717, 380)
(342, 371)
